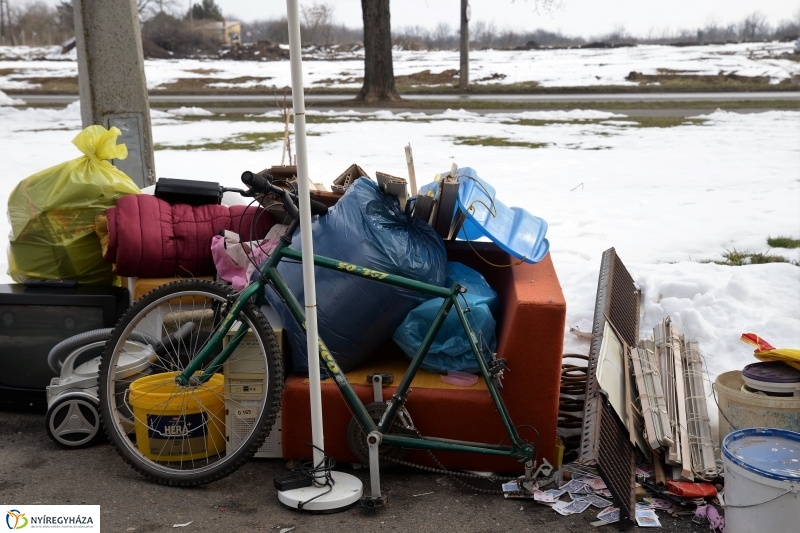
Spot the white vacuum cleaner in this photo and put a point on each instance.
(73, 404)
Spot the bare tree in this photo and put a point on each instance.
(754, 26)
(318, 21)
(441, 35)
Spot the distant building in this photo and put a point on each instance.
(228, 32)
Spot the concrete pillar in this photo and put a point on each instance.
(111, 79)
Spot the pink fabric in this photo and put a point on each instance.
(237, 261)
(715, 521)
(150, 238)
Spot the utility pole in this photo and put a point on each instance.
(111, 80)
(463, 79)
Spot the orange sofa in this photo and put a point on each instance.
(530, 333)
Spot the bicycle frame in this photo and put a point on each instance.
(518, 449)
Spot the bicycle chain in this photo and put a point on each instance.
(454, 475)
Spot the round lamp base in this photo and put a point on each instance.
(346, 492)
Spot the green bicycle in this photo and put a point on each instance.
(195, 408)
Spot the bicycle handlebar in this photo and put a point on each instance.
(261, 184)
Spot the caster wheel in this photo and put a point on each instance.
(74, 422)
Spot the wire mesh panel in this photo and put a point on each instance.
(604, 437)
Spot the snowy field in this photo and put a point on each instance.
(665, 198)
(549, 68)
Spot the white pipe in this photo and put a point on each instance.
(306, 241)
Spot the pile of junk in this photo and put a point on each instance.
(634, 420)
(624, 429)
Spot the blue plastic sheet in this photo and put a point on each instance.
(513, 229)
(450, 349)
(356, 315)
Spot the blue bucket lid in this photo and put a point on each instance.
(771, 453)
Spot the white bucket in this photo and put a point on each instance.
(762, 481)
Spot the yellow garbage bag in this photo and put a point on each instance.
(766, 352)
(52, 213)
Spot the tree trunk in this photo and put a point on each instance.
(378, 71)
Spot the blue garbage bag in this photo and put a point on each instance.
(357, 315)
(450, 349)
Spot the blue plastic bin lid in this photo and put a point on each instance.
(513, 229)
(771, 453)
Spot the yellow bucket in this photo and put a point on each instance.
(175, 423)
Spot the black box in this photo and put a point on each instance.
(34, 319)
(190, 192)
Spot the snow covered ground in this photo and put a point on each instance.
(665, 198)
(549, 68)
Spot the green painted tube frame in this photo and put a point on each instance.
(518, 449)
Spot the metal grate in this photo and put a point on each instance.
(623, 306)
(616, 461)
(604, 437)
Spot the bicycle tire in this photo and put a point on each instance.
(137, 421)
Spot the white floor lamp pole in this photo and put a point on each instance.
(347, 489)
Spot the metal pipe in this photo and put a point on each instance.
(307, 244)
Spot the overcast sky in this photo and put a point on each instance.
(575, 17)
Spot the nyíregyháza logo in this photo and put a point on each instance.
(16, 519)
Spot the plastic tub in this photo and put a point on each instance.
(748, 410)
(762, 478)
(178, 424)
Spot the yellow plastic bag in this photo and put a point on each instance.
(766, 352)
(52, 213)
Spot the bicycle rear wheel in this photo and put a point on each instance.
(197, 433)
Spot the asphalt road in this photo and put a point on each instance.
(33, 470)
(640, 97)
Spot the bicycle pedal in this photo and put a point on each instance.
(497, 365)
(373, 503)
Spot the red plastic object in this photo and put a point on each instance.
(691, 490)
(460, 379)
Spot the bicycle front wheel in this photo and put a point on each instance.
(199, 432)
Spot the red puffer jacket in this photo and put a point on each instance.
(150, 238)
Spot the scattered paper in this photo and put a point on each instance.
(512, 490)
(543, 497)
(609, 515)
(647, 518)
(596, 484)
(573, 486)
(660, 503)
(597, 501)
(561, 508)
(555, 493)
(578, 506)
(286, 529)
(182, 525)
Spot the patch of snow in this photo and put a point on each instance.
(7, 100)
(548, 68)
(190, 112)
